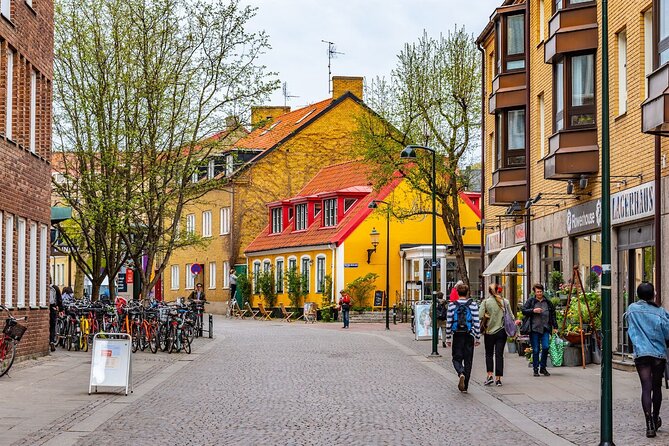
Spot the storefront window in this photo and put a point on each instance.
(551, 264)
(587, 254)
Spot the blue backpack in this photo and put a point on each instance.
(462, 317)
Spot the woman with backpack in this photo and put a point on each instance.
(345, 303)
(494, 334)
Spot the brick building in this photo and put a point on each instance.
(26, 72)
(542, 136)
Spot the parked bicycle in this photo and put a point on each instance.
(11, 336)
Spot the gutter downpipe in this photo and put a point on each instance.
(528, 244)
(482, 200)
(658, 220)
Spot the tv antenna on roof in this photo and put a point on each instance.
(332, 53)
(286, 95)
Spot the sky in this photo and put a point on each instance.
(369, 33)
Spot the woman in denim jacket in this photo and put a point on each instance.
(649, 332)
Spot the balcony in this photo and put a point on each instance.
(655, 109)
(570, 30)
(508, 91)
(508, 185)
(573, 153)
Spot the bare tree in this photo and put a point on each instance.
(432, 98)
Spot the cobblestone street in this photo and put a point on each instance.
(296, 384)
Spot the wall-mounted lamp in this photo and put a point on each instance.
(583, 182)
(374, 238)
(515, 207)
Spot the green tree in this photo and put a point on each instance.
(244, 289)
(432, 98)
(326, 299)
(266, 286)
(361, 289)
(297, 286)
(142, 90)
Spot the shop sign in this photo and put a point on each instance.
(350, 265)
(585, 217)
(519, 233)
(633, 204)
(495, 241)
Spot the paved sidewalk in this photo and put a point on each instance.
(278, 383)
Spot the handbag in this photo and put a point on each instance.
(509, 323)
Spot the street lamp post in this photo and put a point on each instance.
(373, 205)
(409, 152)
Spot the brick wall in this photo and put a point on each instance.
(24, 167)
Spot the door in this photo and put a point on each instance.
(636, 266)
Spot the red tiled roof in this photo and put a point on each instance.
(345, 177)
(269, 135)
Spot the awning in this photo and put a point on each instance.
(502, 260)
(60, 214)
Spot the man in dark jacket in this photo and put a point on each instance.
(55, 305)
(542, 321)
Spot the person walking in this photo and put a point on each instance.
(462, 322)
(648, 329)
(442, 314)
(345, 303)
(197, 293)
(454, 291)
(55, 306)
(542, 321)
(494, 334)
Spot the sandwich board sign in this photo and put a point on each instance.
(111, 363)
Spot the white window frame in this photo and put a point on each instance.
(542, 125)
(305, 270)
(277, 220)
(190, 224)
(206, 224)
(542, 20)
(320, 281)
(622, 72)
(2, 220)
(42, 265)
(301, 216)
(21, 263)
(9, 259)
(256, 271)
(212, 275)
(6, 8)
(647, 46)
(226, 275)
(195, 177)
(279, 274)
(174, 281)
(225, 221)
(266, 266)
(189, 283)
(33, 109)
(32, 265)
(330, 212)
(229, 164)
(9, 110)
(211, 168)
(292, 263)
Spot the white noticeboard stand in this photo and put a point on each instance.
(111, 363)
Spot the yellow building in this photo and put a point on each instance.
(326, 228)
(542, 137)
(283, 151)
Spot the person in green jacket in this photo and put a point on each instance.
(494, 336)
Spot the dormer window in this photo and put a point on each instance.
(301, 217)
(211, 168)
(330, 212)
(277, 220)
(348, 202)
(510, 43)
(229, 164)
(194, 177)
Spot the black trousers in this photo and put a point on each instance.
(651, 371)
(494, 346)
(463, 355)
(53, 315)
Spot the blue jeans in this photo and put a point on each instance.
(344, 314)
(540, 341)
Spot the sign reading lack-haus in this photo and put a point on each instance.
(584, 217)
(633, 203)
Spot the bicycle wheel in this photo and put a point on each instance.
(163, 333)
(71, 331)
(7, 353)
(135, 337)
(61, 332)
(154, 341)
(143, 337)
(185, 340)
(172, 339)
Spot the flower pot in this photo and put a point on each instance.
(575, 338)
(512, 347)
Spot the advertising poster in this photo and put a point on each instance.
(423, 319)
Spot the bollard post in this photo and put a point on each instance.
(395, 314)
(211, 326)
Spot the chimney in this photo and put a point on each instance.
(264, 113)
(342, 84)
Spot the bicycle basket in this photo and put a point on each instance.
(14, 330)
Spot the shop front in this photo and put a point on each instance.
(506, 263)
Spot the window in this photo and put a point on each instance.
(226, 274)
(579, 94)
(542, 20)
(175, 277)
(194, 178)
(212, 275)
(551, 260)
(292, 263)
(33, 109)
(10, 87)
(542, 125)
(301, 217)
(211, 169)
(587, 253)
(320, 274)
(1, 221)
(229, 164)
(279, 276)
(225, 221)
(256, 273)
(42, 265)
(348, 202)
(330, 217)
(662, 30)
(206, 224)
(21, 264)
(647, 46)
(9, 259)
(190, 224)
(622, 72)
(266, 266)
(277, 220)
(305, 272)
(564, 4)
(190, 277)
(510, 43)
(511, 138)
(5, 8)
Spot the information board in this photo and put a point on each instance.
(378, 298)
(423, 320)
(111, 361)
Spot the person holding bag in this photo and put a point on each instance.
(494, 308)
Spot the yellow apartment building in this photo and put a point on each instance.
(326, 229)
(541, 143)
